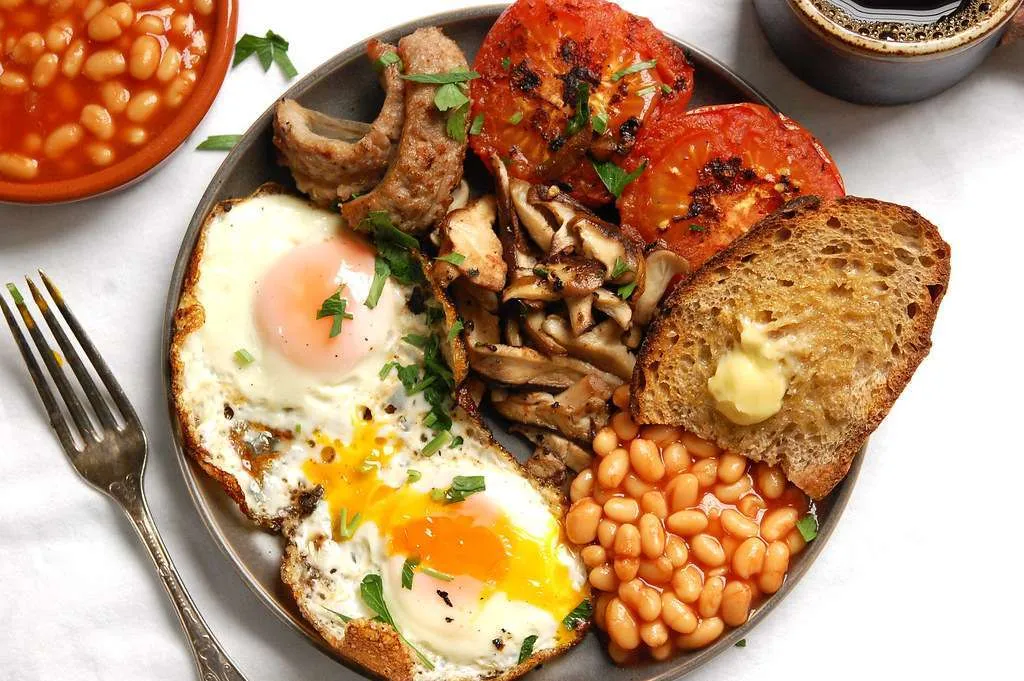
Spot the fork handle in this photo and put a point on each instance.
(212, 661)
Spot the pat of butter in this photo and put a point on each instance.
(750, 380)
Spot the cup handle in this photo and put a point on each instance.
(1016, 30)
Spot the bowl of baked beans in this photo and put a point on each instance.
(683, 542)
(96, 93)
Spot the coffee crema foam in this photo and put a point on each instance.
(969, 13)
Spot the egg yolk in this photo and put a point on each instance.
(291, 293)
(473, 538)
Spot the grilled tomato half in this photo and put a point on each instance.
(566, 82)
(712, 172)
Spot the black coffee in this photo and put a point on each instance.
(907, 20)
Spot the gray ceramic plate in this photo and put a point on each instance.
(346, 87)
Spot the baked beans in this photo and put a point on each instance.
(681, 540)
(84, 83)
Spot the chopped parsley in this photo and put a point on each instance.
(454, 258)
(372, 591)
(635, 68)
(345, 528)
(449, 96)
(386, 369)
(219, 143)
(407, 571)
(506, 63)
(477, 126)
(648, 90)
(516, 118)
(456, 442)
(439, 441)
(435, 380)
(462, 486)
(457, 328)
(742, 643)
(334, 307)
(808, 527)
(526, 651)
(694, 227)
(579, 615)
(626, 290)
(243, 357)
(666, 89)
(582, 109)
(614, 177)
(620, 268)
(412, 475)
(389, 58)
(394, 255)
(599, 122)
(442, 78)
(270, 49)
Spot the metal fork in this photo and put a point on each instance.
(111, 459)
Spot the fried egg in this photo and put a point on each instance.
(445, 539)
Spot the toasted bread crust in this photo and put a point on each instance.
(816, 472)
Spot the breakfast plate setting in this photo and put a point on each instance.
(522, 339)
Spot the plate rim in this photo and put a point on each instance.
(192, 473)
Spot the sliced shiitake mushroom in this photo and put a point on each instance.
(569, 453)
(602, 346)
(526, 366)
(578, 412)
(469, 232)
(615, 307)
(662, 266)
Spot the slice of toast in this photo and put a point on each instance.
(847, 289)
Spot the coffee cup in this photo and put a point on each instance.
(884, 51)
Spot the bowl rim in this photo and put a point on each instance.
(151, 154)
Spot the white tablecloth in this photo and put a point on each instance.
(922, 572)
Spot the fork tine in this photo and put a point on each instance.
(60, 378)
(104, 372)
(57, 420)
(71, 355)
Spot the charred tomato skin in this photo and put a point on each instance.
(713, 172)
(532, 64)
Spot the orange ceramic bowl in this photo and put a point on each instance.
(135, 166)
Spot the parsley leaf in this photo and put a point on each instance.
(407, 571)
(449, 96)
(808, 527)
(626, 290)
(389, 58)
(394, 256)
(620, 268)
(454, 258)
(219, 143)
(527, 648)
(381, 272)
(462, 486)
(477, 126)
(372, 591)
(582, 113)
(243, 357)
(455, 126)
(579, 615)
(694, 227)
(516, 118)
(442, 78)
(269, 50)
(614, 177)
(742, 643)
(506, 63)
(435, 445)
(344, 618)
(457, 327)
(345, 528)
(599, 122)
(639, 66)
(334, 306)
(412, 475)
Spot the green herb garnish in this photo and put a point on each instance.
(412, 475)
(449, 96)
(456, 442)
(457, 328)
(439, 441)
(462, 486)
(407, 571)
(506, 63)
(477, 126)
(666, 89)
(614, 177)
(694, 227)
(394, 255)
(644, 91)
(442, 78)
(344, 618)
(742, 643)
(437, 574)
(345, 528)
(579, 615)
(386, 369)
(527, 648)
(334, 307)
(582, 109)
(599, 122)
(620, 268)
(219, 143)
(516, 118)
(389, 58)
(372, 591)
(453, 258)
(270, 49)
(626, 290)
(243, 357)
(639, 66)
(808, 527)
